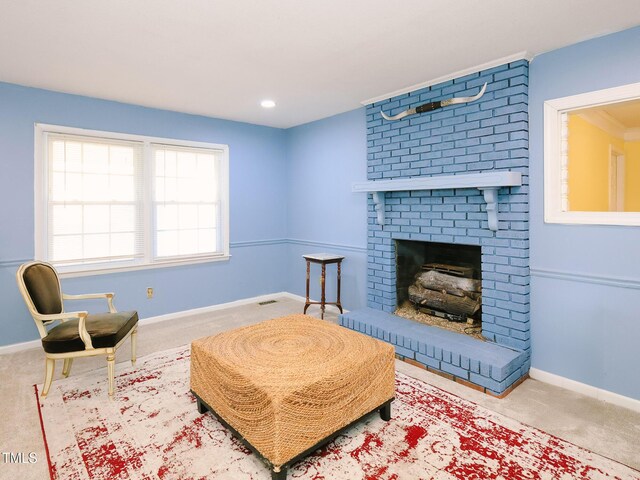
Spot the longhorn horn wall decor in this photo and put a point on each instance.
(431, 106)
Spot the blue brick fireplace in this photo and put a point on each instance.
(453, 153)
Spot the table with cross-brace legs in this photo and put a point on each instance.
(323, 259)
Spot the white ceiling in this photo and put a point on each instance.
(314, 58)
(627, 114)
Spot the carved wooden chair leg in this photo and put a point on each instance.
(111, 367)
(66, 368)
(50, 366)
(134, 342)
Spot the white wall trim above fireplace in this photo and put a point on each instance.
(524, 55)
(487, 182)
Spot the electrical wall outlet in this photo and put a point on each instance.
(150, 292)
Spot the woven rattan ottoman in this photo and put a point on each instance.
(289, 385)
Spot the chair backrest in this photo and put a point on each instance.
(40, 287)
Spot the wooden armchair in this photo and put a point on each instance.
(68, 335)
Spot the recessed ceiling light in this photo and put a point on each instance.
(267, 104)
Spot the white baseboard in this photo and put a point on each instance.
(292, 296)
(213, 308)
(17, 347)
(222, 306)
(584, 389)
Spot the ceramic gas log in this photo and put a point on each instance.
(457, 297)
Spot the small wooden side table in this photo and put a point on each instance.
(323, 259)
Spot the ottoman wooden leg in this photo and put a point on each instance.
(385, 412)
(281, 475)
(201, 406)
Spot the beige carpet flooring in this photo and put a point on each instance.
(603, 428)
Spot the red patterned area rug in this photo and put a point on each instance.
(152, 430)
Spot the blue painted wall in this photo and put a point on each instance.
(583, 328)
(323, 159)
(258, 200)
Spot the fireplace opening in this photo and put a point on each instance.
(440, 284)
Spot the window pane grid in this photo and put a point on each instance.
(127, 201)
(186, 202)
(84, 233)
(95, 200)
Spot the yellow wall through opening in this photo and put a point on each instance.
(589, 150)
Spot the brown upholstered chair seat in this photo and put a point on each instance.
(105, 329)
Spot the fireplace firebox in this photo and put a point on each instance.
(441, 280)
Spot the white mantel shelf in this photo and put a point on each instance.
(487, 182)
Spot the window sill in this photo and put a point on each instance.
(622, 219)
(75, 271)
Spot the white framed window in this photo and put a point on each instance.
(586, 179)
(107, 201)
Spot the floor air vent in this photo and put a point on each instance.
(267, 302)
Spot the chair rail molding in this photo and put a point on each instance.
(581, 277)
(487, 182)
